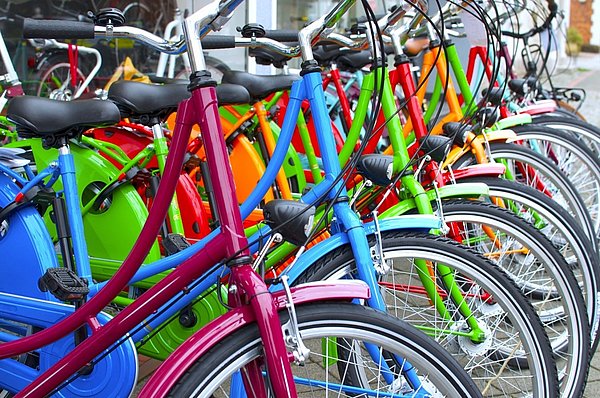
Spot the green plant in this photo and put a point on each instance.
(573, 36)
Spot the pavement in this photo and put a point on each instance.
(584, 72)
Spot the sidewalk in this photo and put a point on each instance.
(584, 72)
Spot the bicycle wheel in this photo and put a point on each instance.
(506, 354)
(532, 169)
(55, 82)
(582, 130)
(338, 363)
(539, 270)
(563, 232)
(573, 158)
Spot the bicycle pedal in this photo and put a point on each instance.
(174, 243)
(64, 284)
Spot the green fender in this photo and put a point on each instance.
(462, 190)
(511, 121)
(111, 233)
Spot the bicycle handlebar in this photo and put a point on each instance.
(54, 29)
(553, 7)
(282, 35)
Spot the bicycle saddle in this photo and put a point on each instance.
(136, 99)
(377, 168)
(354, 60)
(436, 146)
(326, 54)
(51, 120)
(259, 86)
(456, 131)
(522, 86)
(265, 56)
(493, 95)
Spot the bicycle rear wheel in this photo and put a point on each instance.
(573, 158)
(338, 363)
(532, 169)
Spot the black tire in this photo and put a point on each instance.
(580, 129)
(542, 274)
(509, 319)
(580, 164)
(348, 322)
(563, 231)
(554, 180)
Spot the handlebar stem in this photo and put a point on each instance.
(310, 34)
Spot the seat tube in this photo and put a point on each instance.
(67, 170)
(205, 98)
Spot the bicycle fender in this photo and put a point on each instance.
(202, 341)
(477, 170)
(460, 190)
(25, 246)
(495, 135)
(412, 222)
(539, 108)
(512, 121)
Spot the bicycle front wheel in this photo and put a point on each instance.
(481, 317)
(341, 337)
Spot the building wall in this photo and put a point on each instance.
(581, 18)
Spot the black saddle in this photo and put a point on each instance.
(52, 120)
(326, 54)
(265, 56)
(259, 86)
(354, 60)
(493, 95)
(522, 86)
(135, 98)
(436, 146)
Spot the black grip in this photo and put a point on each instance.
(214, 42)
(56, 29)
(282, 35)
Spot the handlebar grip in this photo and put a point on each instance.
(282, 35)
(214, 42)
(57, 29)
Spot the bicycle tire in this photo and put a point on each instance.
(562, 230)
(317, 321)
(546, 172)
(511, 310)
(573, 158)
(582, 130)
(542, 274)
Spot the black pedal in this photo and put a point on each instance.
(64, 284)
(174, 243)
